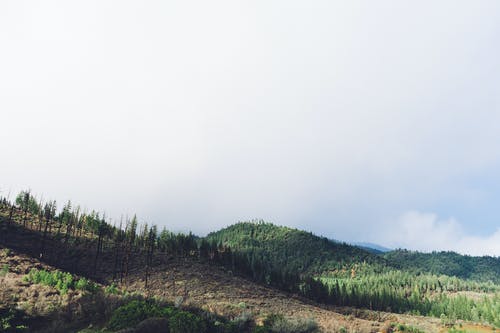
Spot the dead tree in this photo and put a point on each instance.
(49, 212)
(26, 203)
(151, 241)
(100, 233)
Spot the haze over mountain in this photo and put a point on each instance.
(359, 121)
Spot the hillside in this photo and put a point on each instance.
(295, 249)
(371, 247)
(240, 276)
(193, 284)
(447, 263)
(197, 286)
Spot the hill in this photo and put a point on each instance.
(40, 297)
(371, 247)
(294, 249)
(242, 275)
(484, 268)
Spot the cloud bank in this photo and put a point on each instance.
(324, 115)
(426, 232)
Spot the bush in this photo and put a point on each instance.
(12, 320)
(272, 318)
(244, 320)
(186, 322)
(86, 285)
(279, 324)
(4, 270)
(406, 328)
(136, 312)
(157, 325)
(132, 313)
(112, 289)
(60, 280)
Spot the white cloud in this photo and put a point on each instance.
(319, 114)
(426, 232)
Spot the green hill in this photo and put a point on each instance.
(300, 251)
(292, 248)
(447, 263)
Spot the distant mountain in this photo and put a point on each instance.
(371, 247)
(448, 263)
(295, 249)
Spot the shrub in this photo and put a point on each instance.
(12, 320)
(4, 270)
(244, 320)
(157, 325)
(279, 324)
(136, 312)
(132, 313)
(272, 318)
(86, 285)
(59, 280)
(112, 289)
(186, 322)
(406, 328)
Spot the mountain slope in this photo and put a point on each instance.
(297, 250)
(448, 263)
(371, 247)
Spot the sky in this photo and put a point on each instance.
(373, 121)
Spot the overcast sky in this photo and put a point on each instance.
(358, 120)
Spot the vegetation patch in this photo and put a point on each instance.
(62, 281)
(12, 320)
(277, 323)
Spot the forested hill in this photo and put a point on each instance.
(448, 263)
(295, 250)
(291, 248)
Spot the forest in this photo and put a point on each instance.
(298, 262)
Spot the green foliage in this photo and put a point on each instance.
(401, 292)
(112, 289)
(291, 249)
(133, 313)
(136, 311)
(186, 322)
(277, 323)
(27, 202)
(86, 285)
(344, 275)
(12, 320)
(62, 281)
(405, 328)
(4, 270)
(482, 269)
